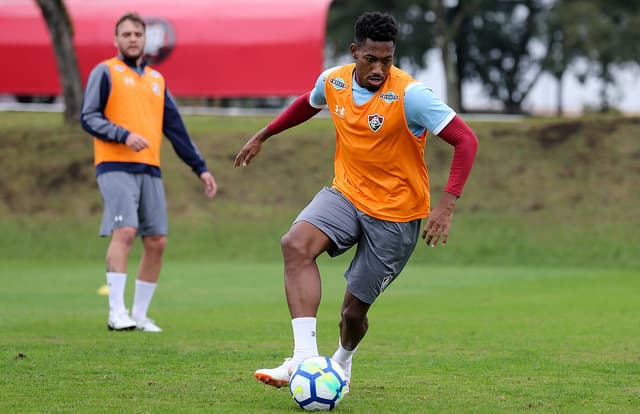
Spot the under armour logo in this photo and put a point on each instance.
(385, 282)
(313, 333)
(118, 218)
(128, 80)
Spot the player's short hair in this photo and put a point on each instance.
(377, 26)
(131, 16)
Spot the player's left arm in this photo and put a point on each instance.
(465, 144)
(427, 111)
(174, 129)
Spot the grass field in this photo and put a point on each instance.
(532, 307)
(442, 339)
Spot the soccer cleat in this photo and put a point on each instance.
(147, 325)
(276, 377)
(120, 322)
(346, 367)
(347, 387)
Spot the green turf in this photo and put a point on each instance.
(442, 339)
(532, 307)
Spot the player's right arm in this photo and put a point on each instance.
(92, 116)
(301, 109)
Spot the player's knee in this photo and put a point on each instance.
(353, 316)
(155, 244)
(293, 247)
(124, 236)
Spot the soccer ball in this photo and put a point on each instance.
(318, 384)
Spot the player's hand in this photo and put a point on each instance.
(439, 220)
(210, 186)
(251, 148)
(136, 142)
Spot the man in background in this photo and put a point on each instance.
(127, 108)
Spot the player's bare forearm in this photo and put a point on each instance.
(439, 221)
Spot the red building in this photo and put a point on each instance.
(204, 48)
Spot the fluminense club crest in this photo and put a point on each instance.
(375, 122)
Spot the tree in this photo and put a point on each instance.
(609, 35)
(564, 43)
(61, 31)
(500, 50)
(449, 34)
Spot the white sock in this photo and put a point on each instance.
(342, 356)
(142, 299)
(116, 282)
(305, 344)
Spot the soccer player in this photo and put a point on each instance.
(380, 191)
(127, 108)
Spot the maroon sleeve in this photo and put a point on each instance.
(465, 143)
(299, 111)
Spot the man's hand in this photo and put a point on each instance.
(251, 148)
(210, 187)
(439, 220)
(136, 142)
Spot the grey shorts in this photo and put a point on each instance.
(384, 247)
(133, 200)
